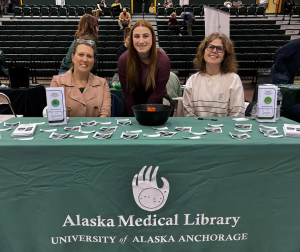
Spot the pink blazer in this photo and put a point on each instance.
(93, 102)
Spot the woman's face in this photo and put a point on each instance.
(152, 5)
(83, 59)
(214, 55)
(126, 41)
(142, 40)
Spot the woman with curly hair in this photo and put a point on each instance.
(87, 26)
(216, 89)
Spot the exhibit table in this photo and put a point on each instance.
(210, 194)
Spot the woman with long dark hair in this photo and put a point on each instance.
(143, 70)
(88, 26)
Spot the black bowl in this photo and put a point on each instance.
(152, 114)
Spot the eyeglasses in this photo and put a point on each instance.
(85, 41)
(219, 49)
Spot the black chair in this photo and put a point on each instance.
(233, 11)
(35, 11)
(212, 5)
(27, 11)
(169, 11)
(188, 9)
(178, 11)
(218, 6)
(45, 11)
(261, 11)
(296, 10)
(72, 11)
(89, 10)
(160, 11)
(242, 11)
(54, 11)
(177, 5)
(224, 9)
(251, 11)
(197, 11)
(194, 5)
(107, 11)
(18, 11)
(63, 11)
(80, 11)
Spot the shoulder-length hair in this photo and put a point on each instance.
(229, 63)
(134, 62)
(87, 25)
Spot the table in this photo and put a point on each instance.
(28, 102)
(291, 97)
(77, 194)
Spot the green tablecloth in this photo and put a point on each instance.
(77, 194)
(291, 96)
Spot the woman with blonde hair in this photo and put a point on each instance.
(88, 25)
(216, 89)
(143, 70)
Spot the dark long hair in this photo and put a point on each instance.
(87, 25)
(134, 62)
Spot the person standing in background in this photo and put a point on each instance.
(188, 18)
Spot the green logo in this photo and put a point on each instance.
(268, 100)
(55, 103)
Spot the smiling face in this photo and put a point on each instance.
(142, 40)
(83, 59)
(214, 57)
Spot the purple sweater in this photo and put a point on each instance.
(161, 80)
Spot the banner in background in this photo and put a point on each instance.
(216, 21)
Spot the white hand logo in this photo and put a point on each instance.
(146, 193)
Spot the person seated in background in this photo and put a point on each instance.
(152, 9)
(216, 89)
(86, 95)
(168, 4)
(174, 24)
(143, 70)
(237, 3)
(123, 48)
(99, 9)
(228, 4)
(124, 19)
(88, 25)
(188, 19)
(286, 63)
(116, 8)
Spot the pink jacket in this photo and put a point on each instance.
(93, 102)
